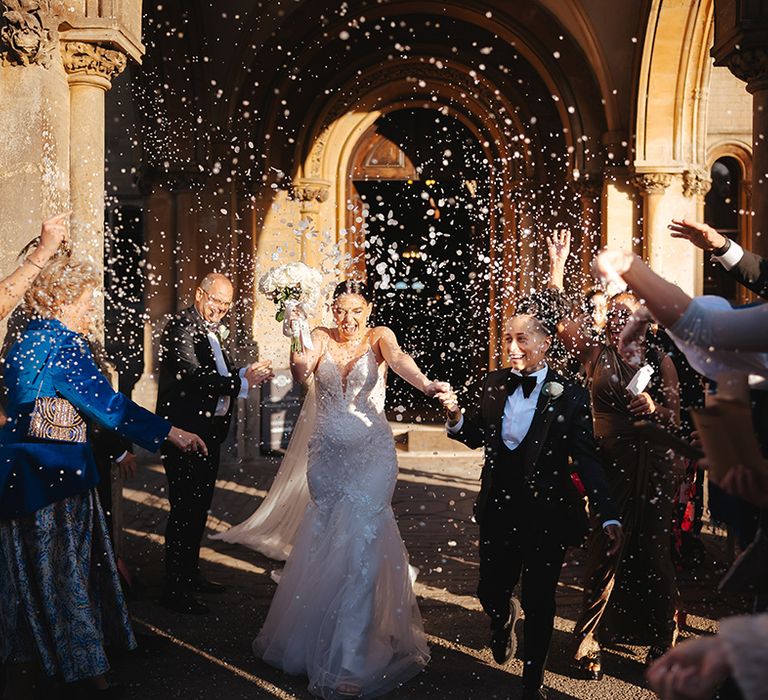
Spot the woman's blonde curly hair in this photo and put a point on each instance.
(59, 284)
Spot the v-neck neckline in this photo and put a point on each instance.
(344, 376)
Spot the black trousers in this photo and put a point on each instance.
(191, 483)
(515, 546)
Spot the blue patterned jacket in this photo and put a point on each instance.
(50, 360)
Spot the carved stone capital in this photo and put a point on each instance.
(311, 191)
(24, 38)
(652, 183)
(696, 183)
(84, 58)
(751, 66)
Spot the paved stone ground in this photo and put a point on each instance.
(210, 656)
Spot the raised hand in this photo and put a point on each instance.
(259, 372)
(701, 235)
(53, 233)
(559, 248)
(186, 441)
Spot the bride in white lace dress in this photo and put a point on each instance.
(344, 613)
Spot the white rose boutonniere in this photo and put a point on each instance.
(223, 332)
(552, 390)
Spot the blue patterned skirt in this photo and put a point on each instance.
(60, 595)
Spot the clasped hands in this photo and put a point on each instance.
(450, 403)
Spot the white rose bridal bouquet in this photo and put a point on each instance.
(293, 286)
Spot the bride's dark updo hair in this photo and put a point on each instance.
(352, 287)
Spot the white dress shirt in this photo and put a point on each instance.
(518, 412)
(731, 257)
(518, 416)
(222, 405)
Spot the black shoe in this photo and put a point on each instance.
(655, 652)
(200, 584)
(539, 693)
(503, 640)
(589, 667)
(183, 603)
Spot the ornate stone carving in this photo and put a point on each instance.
(652, 183)
(307, 191)
(92, 59)
(24, 38)
(696, 183)
(751, 66)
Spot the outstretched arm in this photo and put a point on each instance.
(746, 267)
(666, 301)
(574, 333)
(727, 329)
(405, 366)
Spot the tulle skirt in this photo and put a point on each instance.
(344, 613)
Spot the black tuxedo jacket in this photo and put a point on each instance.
(189, 386)
(752, 272)
(560, 441)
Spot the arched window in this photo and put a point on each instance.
(724, 211)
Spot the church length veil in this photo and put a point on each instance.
(272, 527)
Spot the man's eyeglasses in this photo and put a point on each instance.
(219, 302)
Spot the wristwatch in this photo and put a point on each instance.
(723, 249)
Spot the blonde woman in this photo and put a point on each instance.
(60, 598)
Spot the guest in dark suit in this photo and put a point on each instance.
(197, 387)
(746, 267)
(531, 421)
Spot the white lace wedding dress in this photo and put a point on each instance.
(344, 612)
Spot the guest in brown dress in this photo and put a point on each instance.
(631, 597)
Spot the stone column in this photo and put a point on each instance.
(696, 184)
(310, 195)
(589, 192)
(90, 69)
(652, 187)
(519, 251)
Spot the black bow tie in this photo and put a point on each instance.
(515, 380)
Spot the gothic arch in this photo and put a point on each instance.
(670, 125)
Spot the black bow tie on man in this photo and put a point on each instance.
(528, 382)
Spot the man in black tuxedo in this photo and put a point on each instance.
(530, 421)
(197, 387)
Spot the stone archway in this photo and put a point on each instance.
(326, 152)
(417, 193)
